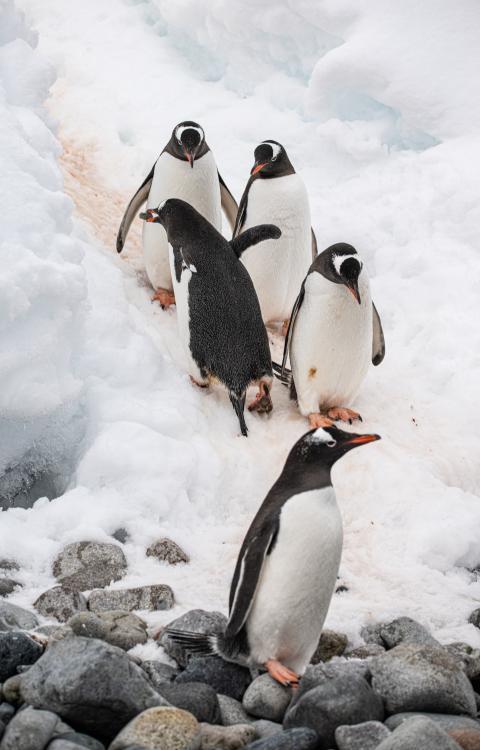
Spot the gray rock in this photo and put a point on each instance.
(77, 740)
(87, 565)
(266, 698)
(330, 644)
(9, 565)
(11, 690)
(267, 728)
(29, 730)
(406, 630)
(338, 701)
(168, 551)
(165, 728)
(469, 657)
(292, 739)
(418, 733)
(226, 738)
(144, 597)
(365, 652)
(121, 535)
(6, 712)
(225, 677)
(122, 629)
(445, 721)
(196, 697)
(60, 603)
(195, 621)
(422, 678)
(319, 674)
(159, 672)
(8, 586)
(231, 711)
(90, 684)
(16, 618)
(366, 736)
(16, 648)
(468, 739)
(475, 618)
(61, 744)
(371, 634)
(50, 630)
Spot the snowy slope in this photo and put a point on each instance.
(375, 103)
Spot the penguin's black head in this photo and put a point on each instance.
(173, 214)
(271, 160)
(188, 141)
(345, 267)
(323, 446)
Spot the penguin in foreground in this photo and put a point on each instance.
(276, 193)
(334, 333)
(185, 169)
(218, 314)
(287, 567)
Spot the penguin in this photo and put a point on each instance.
(276, 193)
(218, 314)
(287, 567)
(185, 169)
(334, 332)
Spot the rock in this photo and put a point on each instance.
(330, 644)
(292, 739)
(6, 712)
(165, 728)
(196, 697)
(422, 678)
(371, 634)
(122, 629)
(226, 738)
(195, 621)
(11, 690)
(470, 658)
(318, 674)
(475, 618)
(16, 648)
(231, 711)
(159, 672)
(16, 618)
(167, 551)
(51, 630)
(61, 744)
(406, 630)
(467, 739)
(337, 701)
(60, 603)
(90, 684)
(267, 728)
(365, 652)
(144, 597)
(82, 566)
(76, 740)
(8, 585)
(418, 733)
(9, 565)
(121, 535)
(266, 698)
(29, 730)
(225, 677)
(444, 721)
(366, 736)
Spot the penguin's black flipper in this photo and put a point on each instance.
(378, 339)
(238, 403)
(200, 644)
(229, 204)
(131, 211)
(253, 236)
(283, 375)
(291, 325)
(314, 246)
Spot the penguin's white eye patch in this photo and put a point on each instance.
(181, 129)
(338, 261)
(161, 205)
(275, 149)
(320, 436)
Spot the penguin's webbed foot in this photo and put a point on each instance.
(341, 414)
(165, 297)
(285, 676)
(319, 420)
(263, 401)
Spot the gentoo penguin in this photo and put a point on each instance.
(276, 193)
(287, 567)
(334, 332)
(185, 169)
(218, 313)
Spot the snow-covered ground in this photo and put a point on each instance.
(378, 106)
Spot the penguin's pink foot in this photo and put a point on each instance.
(319, 420)
(285, 325)
(165, 297)
(340, 414)
(195, 382)
(263, 402)
(282, 674)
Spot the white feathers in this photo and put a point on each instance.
(319, 436)
(275, 148)
(338, 261)
(181, 129)
(161, 205)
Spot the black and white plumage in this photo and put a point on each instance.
(185, 169)
(288, 564)
(276, 193)
(218, 314)
(334, 334)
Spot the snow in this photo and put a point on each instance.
(376, 104)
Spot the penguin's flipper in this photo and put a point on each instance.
(291, 325)
(253, 236)
(247, 575)
(314, 246)
(229, 204)
(378, 339)
(242, 209)
(132, 209)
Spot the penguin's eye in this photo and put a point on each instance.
(331, 443)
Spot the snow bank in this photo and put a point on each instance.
(42, 286)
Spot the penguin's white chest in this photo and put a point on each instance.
(331, 345)
(181, 290)
(173, 178)
(297, 581)
(278, 267)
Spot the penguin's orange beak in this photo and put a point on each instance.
(353, 289)
(149, 215)
(361, 439)
(257, 167)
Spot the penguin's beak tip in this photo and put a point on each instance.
(355, 293)
(363, 439)
(149, 215)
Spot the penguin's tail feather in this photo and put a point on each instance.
(200, 644)
(283, 374)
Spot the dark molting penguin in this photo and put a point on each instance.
(288, 564)
(276, 193)
(185, 169)
(334, 333)
(218, 313)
